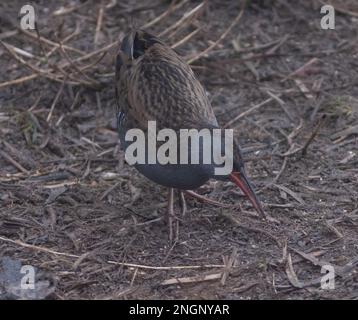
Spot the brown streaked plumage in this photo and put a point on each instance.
(154, 83)
(159, 85)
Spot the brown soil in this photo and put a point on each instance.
(69, 205)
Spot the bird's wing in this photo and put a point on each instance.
(162, 87)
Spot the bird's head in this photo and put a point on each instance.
(237, 174)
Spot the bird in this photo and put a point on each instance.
(154, 83)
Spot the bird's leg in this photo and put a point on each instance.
(177, 220)
(205, 199)
(170, 213)
(182, 203)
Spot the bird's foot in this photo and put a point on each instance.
(205, 199)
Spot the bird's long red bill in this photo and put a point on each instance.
(243, 183)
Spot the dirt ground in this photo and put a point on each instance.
(94, 228)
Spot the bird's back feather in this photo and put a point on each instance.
(158, 85)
